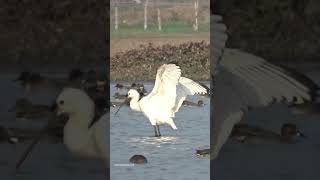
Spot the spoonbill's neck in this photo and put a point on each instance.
(134, 104)
(77, 135)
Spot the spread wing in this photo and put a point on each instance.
(245, 81)
(187, 87)
(164, 90)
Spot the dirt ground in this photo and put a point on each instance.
(124, 44)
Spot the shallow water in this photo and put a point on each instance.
(274, 161)
(170, 157)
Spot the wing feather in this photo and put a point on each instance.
(186, 87)
(167, 79)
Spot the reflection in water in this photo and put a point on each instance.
(154, 140)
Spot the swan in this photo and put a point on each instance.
(242, 81)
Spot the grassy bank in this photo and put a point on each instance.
(169, 29)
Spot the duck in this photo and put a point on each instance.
(203, 152)
(25, 109)
(186, 103)
(119, 96)
(115, 104)
(31, 81)
(75, 74)
(139, 87)
(245, 133)
(138, 159)
(122, 87)
(6, 137)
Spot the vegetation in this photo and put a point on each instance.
(177, 28)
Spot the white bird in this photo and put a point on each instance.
(168, 93)
(242, 81)
(81, 136)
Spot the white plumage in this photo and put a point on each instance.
(243, 81)
(78, 137)
(168, 93)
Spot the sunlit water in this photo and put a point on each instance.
(170, 157)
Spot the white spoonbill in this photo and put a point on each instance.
(81, 136)
(168, 93)
(84, 134)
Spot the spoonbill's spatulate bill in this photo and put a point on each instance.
(168, 93)
(243, 81)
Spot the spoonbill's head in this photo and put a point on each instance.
(289, 130)
(133, 94)
(74, 101)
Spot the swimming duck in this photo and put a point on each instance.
(75, 75)
(203, 152)
(192, 104)
(26, 110)
(139, 87)
(138, 159)
(255, 135)
(119, 96)
(122, 87)
(31, 81)
(5, 136)
(116, 103)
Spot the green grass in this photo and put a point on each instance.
(168, 29)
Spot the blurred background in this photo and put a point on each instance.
(148, 33)
(286, 30)
(158, 17)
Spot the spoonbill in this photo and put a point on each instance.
(84, 133)
(243, 81)
(81, 136)
(168, 93)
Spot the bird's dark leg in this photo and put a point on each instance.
(155, 131)
(159, 134)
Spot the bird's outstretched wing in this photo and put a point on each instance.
(246, 81)
(167, 79)
(187, 87)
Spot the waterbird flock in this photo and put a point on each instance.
(78, 122)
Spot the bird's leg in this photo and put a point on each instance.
(159, 134)
(155, 131)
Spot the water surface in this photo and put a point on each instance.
(170, 157)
